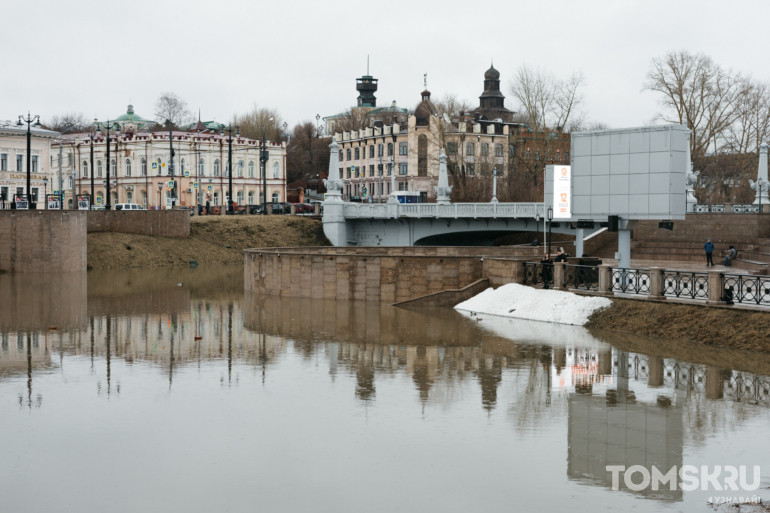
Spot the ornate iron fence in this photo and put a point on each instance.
(686, 284)
(748, 288)
(535, 273)
(581, 277)
(631, 281)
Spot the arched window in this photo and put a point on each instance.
(98, 168)
(216, 167)
(128, 167)
(422, 155)
(113, 167)
(251, 169)
(227, 168)
(275, 197)
(143, 164)
(129, 197)
(240, 169)
(275, 170)
(85, 169)
(390, 149)
(201, 168)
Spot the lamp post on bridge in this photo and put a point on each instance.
(550, 219)
(230, 130)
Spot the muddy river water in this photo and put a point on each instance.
(169, 390)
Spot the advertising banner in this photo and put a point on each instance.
(562, 193)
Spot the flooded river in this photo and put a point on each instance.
(169, 390)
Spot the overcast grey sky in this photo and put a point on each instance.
(302, 57)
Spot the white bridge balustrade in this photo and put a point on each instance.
(409, 224)
(451, 211)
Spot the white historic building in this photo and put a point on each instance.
(13, 162)
(140, 166)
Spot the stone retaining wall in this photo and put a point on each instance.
(161, 223)
(43, 241)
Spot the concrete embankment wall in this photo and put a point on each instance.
(161, 223)
(43, 241)
(381, 274)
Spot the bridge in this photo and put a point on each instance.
(404, 224)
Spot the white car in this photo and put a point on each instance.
(128, 206)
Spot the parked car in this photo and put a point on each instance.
(128, 206)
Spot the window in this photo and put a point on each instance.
(371, 151)
(251, 197)
(216, 167)
(201, 167)
(390, 149)
(240, 169)
(3, 162)
(69, 159)
(34, 163)
(379, 150)
(348, 154)
(69, 182)
(422, 155)
(85, 169)
(128, 167)
(340, 155)
(484, 149)
(181, 167)
(19, 162)
(98, 168)
(113, 167)
(143, 166)
(498, 150)
(160, 166)
(371, 170)
(403, 148)
(251, 169)
(358, 154)
(451, 148)
(275, 197)
(470, 168)
(227, 168)
(239, 197)
(276, 170)
(402, 168)
(358, 170)
(470, 149)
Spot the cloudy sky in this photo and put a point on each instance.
(302, 57)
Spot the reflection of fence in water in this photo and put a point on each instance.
(732, 385)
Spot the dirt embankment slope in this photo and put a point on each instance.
(213, 240)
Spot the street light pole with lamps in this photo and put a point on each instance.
(29, 120)
(91, 137)
(264, 156)
(550, 219)
(160, 192)
(114, 127)
(45, 191)
(230, 130)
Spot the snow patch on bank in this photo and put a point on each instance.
(522, 302)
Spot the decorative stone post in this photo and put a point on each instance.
(558, 276)
(494, 185)
(335, 228)
(443, 189)
(657, 285)
(605, 280)
(715, 288)
(761, 185)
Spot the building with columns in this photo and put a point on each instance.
(13, 162)
(140, 166)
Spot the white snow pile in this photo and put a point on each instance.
(522, 302)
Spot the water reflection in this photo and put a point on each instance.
(608, 399)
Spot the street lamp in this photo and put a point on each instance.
(29, 120)
(230, 130)
(107, 126)
(160, 191)
(45, 191)
(379, 172)
(550, 218)
(264, 156)
(91, 137)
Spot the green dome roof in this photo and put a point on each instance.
(130, 117)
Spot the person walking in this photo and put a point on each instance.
(708, 247)
(547, 272)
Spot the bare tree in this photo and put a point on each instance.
(307, 154)
(452, 107)
(353, 119)
(699, 94)
(752, 120)
(260, 120)
(170, 107)
(547, 102)
(70, 122)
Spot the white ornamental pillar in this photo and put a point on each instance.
(761, 185)
(335, 227)
(443, 189)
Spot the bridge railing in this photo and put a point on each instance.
(748, 288)
(581, 277)
(434, 210)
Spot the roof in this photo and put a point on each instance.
(130, 117)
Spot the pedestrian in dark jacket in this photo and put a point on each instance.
(732, 253)
(708, 247)
(547, 273)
